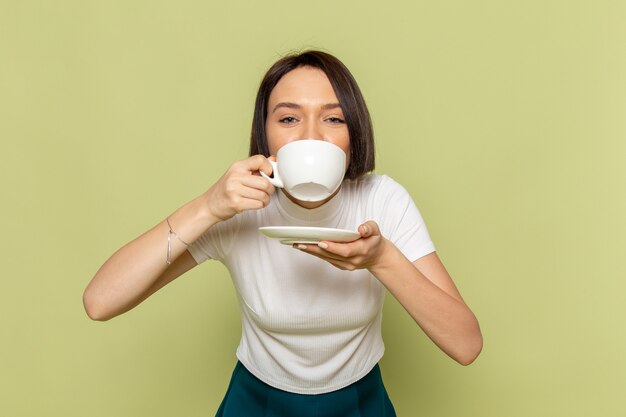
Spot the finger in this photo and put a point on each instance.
(369, 228)
(332, 250)
(265, 166)
(339, 263)
(256, 163)
(254, 194)
(269, 172)
(342, 250)
(250, 204)
(258, 183)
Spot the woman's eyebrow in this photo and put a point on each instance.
(290, 105)
(331, 106)
(287, 105)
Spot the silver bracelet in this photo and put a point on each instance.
(168, 260)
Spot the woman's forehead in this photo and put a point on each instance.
(303, 85)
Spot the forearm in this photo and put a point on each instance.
(444, 317)
(130, 272)
(139, 268)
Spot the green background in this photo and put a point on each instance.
(506, 121)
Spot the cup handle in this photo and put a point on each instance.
(274, 179)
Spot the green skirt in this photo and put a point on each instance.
(248, 396)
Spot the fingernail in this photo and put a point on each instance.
(300, 246)
(366, 228)
(323, 245)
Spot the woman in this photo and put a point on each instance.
(311, 314)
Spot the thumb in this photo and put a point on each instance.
(369, 228)
(271, 158)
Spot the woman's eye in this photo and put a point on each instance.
(288, 120)
(335, 120)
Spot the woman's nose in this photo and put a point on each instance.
(312, 131)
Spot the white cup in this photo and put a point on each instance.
(309, 170)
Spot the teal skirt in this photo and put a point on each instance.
(248, 396)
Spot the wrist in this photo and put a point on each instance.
(204, 212)
(385, 259)
(192, 220)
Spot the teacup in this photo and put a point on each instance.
(309, 169)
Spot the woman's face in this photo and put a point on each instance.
(303, 105)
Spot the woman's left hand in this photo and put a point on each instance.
(430, 297)
(364, 253)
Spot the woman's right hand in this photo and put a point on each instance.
(241, 188)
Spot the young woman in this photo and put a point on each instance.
(311, 314)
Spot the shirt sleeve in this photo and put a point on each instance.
(216, 242)
(402, 222)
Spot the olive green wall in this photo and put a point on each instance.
(505, 120)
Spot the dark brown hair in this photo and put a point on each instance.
(350, 98)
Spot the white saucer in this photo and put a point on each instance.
(288, 235)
